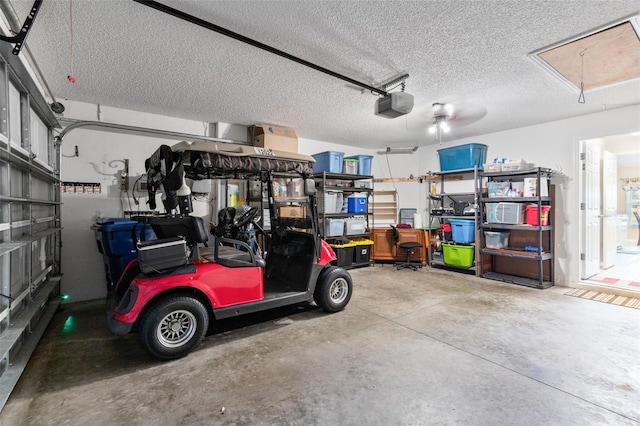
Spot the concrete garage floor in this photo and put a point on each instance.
(412, 348)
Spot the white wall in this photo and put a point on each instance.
(554, 145)
(100, 159)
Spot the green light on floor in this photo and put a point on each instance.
(69, 325)
(65, 297)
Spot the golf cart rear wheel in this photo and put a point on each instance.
(172, 327)
(333, 289)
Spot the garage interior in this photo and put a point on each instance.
(387, 97)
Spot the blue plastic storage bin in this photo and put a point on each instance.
(113, 237)
(463, 231)
(460, 157)
(364, 163)
(356, 204)
(328, 161)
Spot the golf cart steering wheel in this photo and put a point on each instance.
(247, 217)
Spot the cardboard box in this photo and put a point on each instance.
(273, 137)
(293, 211)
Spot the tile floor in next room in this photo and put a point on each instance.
(626, 271)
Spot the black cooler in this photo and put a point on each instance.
(162, 255)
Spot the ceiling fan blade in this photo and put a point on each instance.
(467, 113)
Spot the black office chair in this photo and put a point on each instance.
(409, 247)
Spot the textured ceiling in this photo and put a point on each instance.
(472, 54)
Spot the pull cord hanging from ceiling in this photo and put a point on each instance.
(70, 77)
(581, 99)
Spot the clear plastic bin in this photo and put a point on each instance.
(496, 239)
(355, 225)
(334, 227)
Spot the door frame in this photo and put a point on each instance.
(583, 213)
(577, 264)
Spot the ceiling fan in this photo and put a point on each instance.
(445, 116)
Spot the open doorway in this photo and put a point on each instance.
(610, 212)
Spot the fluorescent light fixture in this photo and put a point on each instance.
(407, 150)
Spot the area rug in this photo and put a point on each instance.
(629, 302)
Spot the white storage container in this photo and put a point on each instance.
(512, 166)
(355, 225)
(510, 213)
(496, 239)
(350, 166)
(334, 227)
(327, 202)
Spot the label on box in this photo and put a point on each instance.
(264, 151)
(293, 211)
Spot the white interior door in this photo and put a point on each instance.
(609, 209)
(590, 259)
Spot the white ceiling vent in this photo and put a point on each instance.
(600, 58)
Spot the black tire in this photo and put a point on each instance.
(172, 327)
(333, 289)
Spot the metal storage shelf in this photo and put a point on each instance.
(334, 237)
(321, 180)
(459, 268)
(453, 216)
(359, 265)
(523, 227)
(343, 215)
(287, 199)
(514, 199)
(437, 201)
(511, 253)
(455, 194)
(454, 172)
(514, 279)
(543, 171)
(543, 233)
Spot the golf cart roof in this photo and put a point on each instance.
(206, 160)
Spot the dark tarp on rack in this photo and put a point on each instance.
(207, 165)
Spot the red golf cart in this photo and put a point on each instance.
(192, 275)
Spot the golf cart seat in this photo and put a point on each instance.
(192, 229)
(226, 252)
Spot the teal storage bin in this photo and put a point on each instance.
(462, 157)
(364, 163)
(463, 231)
(328, 161)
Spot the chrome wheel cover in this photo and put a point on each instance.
(338, 290)
(176, 328)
